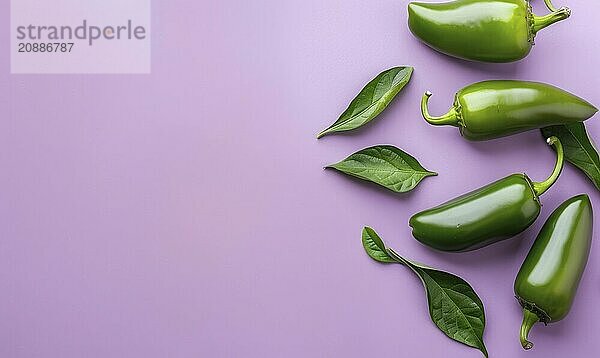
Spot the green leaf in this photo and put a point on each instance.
(371, 100)
(454, 306)
(385, 165)
(374, 246)
(579, 148)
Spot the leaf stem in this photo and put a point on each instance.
(397, 257)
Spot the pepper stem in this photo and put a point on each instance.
(549, 5)
(529, 319)
(541, 22)
(448, 119)
(541, 187)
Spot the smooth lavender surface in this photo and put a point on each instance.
(186, 213)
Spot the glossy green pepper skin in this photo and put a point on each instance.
(490, 214)
(548, 279)
(480, 30)
(493, 109)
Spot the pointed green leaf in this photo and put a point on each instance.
(371, 100)
(385, 165)
(579, 148)
(454, 306)
(374, 246)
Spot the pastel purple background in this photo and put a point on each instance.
(185, 213)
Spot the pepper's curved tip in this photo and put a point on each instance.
(411, 221)
(414, 8)
(428, 94)
(584, 198)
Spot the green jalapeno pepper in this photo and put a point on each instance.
(481, 30)
(492, 213)
(493, 109)
(548, 279)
